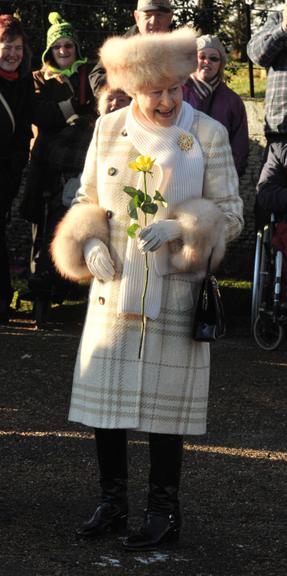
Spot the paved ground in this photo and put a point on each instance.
(234, 479)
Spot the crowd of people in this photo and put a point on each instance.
(155, 117)
(65, 98)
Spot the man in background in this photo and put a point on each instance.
(268, 48)
(150, 16)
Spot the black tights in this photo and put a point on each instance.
(165, 455)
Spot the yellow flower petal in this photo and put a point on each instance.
(133, 166)
(142, 164)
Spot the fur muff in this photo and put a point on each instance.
(82, 222)
(144, 61)
(203, 230)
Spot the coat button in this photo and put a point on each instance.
(112, 171)
(124, 132)
(109, 214)
(101, 300)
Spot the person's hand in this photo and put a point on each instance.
(98, 260)
(284, 20)
(154, 235)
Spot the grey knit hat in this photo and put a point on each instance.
(208, 41)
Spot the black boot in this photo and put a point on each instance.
(112, 511)
(162, 518)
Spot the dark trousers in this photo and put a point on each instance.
(5, 280)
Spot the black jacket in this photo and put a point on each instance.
(272, 184)
(59, 147)
(15, 141)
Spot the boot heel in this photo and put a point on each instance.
(155, 531)
(171, 536)
(106, 518)
(119, 524)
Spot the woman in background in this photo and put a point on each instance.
(16, 102)
(109, 100)
(206, 90)
(65, 116)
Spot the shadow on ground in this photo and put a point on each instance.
(233, 484)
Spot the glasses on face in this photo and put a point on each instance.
(209, 58)
(67, 46)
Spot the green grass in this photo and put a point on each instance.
(237, 78)
(20, 287)
(233, 283)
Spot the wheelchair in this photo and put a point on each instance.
(268, 312)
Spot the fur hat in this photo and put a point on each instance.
(208, 41)
(59, 28)
(147, 60)
(160, 5)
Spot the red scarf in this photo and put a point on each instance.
(9, 75)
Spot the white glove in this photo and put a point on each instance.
(98, 260)
(153, 236)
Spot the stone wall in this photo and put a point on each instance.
(240, 255)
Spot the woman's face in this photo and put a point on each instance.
(11, 53)
(160, 105)
(111, 100)
(208, 64)
(64, 52)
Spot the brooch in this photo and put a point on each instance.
(185, 142)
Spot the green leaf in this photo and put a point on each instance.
(138, 199)
(159, 198)
(132, 209)
(140, 195)
(131, 191)
(149, 208)
(132, 230)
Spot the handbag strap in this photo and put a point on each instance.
(205, 282)
(8, 109)
(208, 270)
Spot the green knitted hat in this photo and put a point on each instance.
(59, 28)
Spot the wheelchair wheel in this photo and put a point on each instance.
(256, 277)
(267, 333)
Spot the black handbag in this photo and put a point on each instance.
(209, 321)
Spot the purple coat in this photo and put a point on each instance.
(227, 107)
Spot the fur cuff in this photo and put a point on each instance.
(82, 222)
(202, 229)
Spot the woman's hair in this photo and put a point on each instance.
(10, 28)
(147, 60)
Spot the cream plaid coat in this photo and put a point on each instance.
(167, 390)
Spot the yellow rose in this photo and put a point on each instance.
(142, 164)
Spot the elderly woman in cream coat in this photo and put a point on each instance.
(165, 391)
